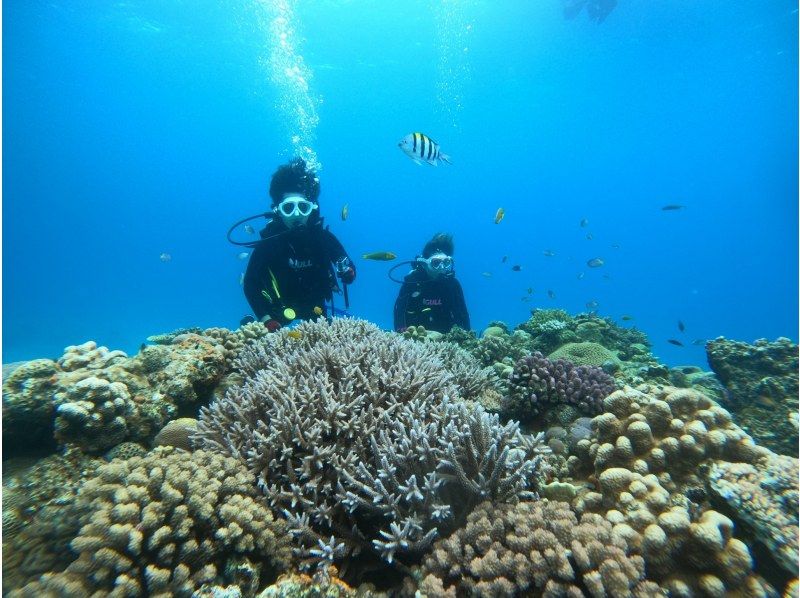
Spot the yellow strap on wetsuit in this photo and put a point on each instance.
(274, 282)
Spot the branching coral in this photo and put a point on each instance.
(359, 438)
(538, 382)
(165, 524)
(534, 548)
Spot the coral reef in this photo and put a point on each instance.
(538, 383)
(165, 524)
(764, 496)
(762, 380)
(95, 398)
(296, 585)
(39, 518)
(177, 433)
(358, 436)
(584, 354)
(534, 548)
(647, 457)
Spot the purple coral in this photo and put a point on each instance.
(538, 382)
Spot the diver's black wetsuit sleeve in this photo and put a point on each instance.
(459, 309)
(257, 267)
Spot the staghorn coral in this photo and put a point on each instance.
(538, 383)
(762, 380)
(534, 548)
(163, 525)
(358, 437)
(647, 456)
(764, 496)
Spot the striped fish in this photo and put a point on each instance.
(421, 148)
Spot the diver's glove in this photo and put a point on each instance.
(345, 270)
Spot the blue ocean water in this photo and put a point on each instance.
(132, 129)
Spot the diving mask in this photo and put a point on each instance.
(295, 210)
(438, 264)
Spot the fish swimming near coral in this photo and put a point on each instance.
(530, 290)
(595, 262)
(516, 267)
(345, 211)
(243, 255)
(318, 310)
(626, 318)
(589, 236)
(381, 256)
(677, 343)
(699, 341)
(681, 326)
(165, 257)
(584, 222)
(672, 207)
(592, 304)
(499, 215)
(421, 148)
(249, 229)
(551, 294)
(295, 334)
(486, 274)
(548, 253)
(581, 275)
(504, 260)
(241, 279)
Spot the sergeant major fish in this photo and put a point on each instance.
(421, 148)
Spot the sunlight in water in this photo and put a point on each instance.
(290, 75)
(453, 29)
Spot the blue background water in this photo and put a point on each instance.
(136, 128)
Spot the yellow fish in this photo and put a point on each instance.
(295, 334)
(499, 215)
(345, 211)
(318, 310)
(381, 256)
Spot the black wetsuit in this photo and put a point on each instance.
(435, 303)
(295, 269)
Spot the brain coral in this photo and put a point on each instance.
(584, 354)
(534, 548)
(163, 525)
(359, 438)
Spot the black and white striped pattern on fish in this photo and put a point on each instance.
(421, 148)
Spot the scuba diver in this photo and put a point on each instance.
(293, 268)
(431, 296)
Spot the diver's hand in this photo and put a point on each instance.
(272, 325)
(347, 276)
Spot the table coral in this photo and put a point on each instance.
(765, 496)
(534, 548)
(359, 437)
(164, 524)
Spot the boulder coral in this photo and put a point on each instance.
(360, 438)
(584, 354)
(534, 548)
(646, 458)
(165, 524)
